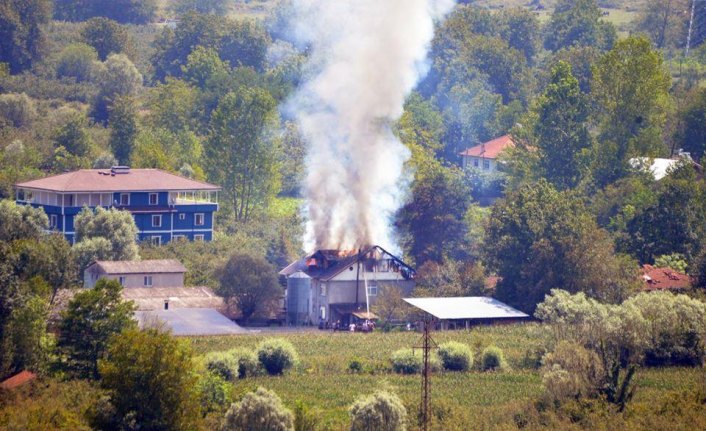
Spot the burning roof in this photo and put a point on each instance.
(326, 264)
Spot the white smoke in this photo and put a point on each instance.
(365, 57)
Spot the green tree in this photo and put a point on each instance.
(123, 128)
(76, 60)
(521, 31)
(107, 37)
(204, 65)
(116, 226)
(17, 110)
(540, 239)
(665, 22)
(241, 154)
(174, 106)
(691, 136)
(151, 382)
(217, 7)
(433, 220)
(249, 283)
(21, 221)
(560, 130)
(118, 77)
(73, 135)
(22, 35)
(578, 22)
(631, 88)
(245, 44)
(261, 410)
(89, 250)
(92, 317)
(291, 163)
(124, 11)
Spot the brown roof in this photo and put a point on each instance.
(101, 180)
(18, 379)
(490, 149)
(140, 266)
(664, 278)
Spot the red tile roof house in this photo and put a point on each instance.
(664, 279)
(17, 380)
(484, 156)
(165, 206)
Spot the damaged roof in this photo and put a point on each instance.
(664, 279)
(336, 261)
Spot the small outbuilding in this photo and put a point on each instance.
(463, 312)
(137, 273)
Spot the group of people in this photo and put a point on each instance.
(366, 326)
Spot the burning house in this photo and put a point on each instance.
(337, 285)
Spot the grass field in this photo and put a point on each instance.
(487, 400)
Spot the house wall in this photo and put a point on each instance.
(178, 220)
(93, 274)
(478, 163)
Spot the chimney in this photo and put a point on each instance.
(119, 170)
(166, 304)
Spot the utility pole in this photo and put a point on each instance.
(691, 27)
(428, 344)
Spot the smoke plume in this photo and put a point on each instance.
(365, 57)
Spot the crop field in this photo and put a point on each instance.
(488, 400)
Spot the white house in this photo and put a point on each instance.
(330, 285)
(484, 156)
(138, 273)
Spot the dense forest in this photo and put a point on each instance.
(590, 90)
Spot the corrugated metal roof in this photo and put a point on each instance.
(468, 307)
(152, 298)
(158, 266)
(101, 180)
(191, 321)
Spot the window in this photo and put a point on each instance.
(148, 280)
(156, 240)
(124, 199)
(53, 221)
(198, 237)
(178, 237)
(486, 164)
(157, 220)
(182, 216)
(153, 198)
(122, 280)
(322, 289)
(384, 265)
(198, 219)
(322, 312)
(372, 289)
(475, 163)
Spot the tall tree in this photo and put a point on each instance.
(106, 37)
(118, 227)
(578, 22)
(540, 239)
(22, 37)
(631, 88)
(92, 317)
(249, 283)
(665, 22)
(241, 152)
(433, 221)
(561, 129)
(691, 136)
(123, 128)
(151, 381)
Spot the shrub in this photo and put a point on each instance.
(304, 418)
(355, 365)
(215, 393)
(277, 355)
(16, 110)
(246, 361)
(382, 411)
(261, 410)
(407, 361)
(492, 359)
(455, 356)
(223, 365)
(76, 61)
(571, 372)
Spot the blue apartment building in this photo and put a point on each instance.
(164, 206)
